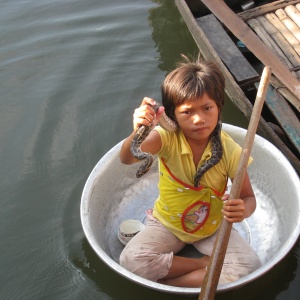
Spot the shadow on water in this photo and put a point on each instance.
(94, 268)
(170, 37)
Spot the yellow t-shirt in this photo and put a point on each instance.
(191, 213)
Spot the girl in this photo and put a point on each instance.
(185, 212)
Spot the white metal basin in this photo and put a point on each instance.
(113, 194)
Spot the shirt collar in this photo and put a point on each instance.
(186, 149)
(184, 145)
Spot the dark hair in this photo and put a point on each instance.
(190, 81)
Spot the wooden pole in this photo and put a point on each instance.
(212, 276)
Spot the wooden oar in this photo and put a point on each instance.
(211, 279)
(238, 27)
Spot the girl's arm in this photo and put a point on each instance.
(236, 210)
(144, 115)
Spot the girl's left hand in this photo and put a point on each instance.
(233, 209)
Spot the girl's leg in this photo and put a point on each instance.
(240, 259)
(186, 272)
(150, 253)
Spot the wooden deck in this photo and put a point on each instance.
(279, 29)
(215, 43)
(278, 26)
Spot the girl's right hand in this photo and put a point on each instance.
(145, 114)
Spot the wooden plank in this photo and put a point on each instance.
(264, 9)
(285, 93)
(284, 115)
(241, 69)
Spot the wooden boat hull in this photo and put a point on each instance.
(113, 194)
(234, 90)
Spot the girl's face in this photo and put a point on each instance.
(197, 119)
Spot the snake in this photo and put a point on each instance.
(165, 122)
(141, 134)
(216, 154)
